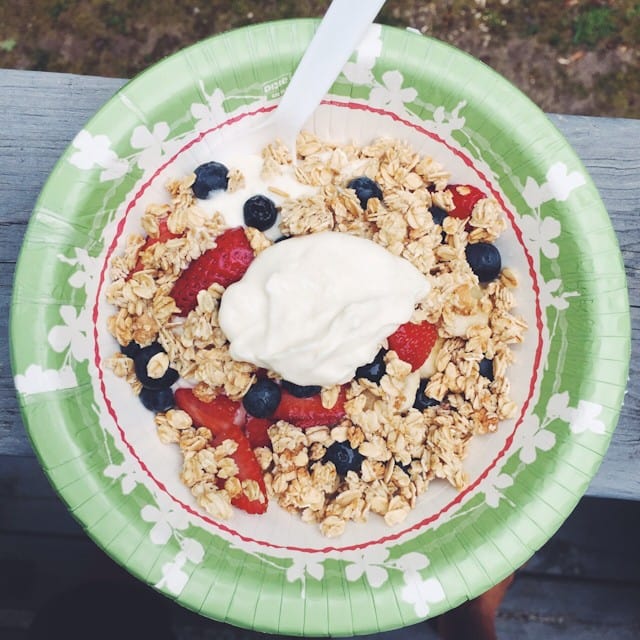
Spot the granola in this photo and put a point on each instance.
(403, 448)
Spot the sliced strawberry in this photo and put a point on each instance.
(309, 412)
(465, 197)
(225, 264)
(163, 235)
(413, 342)
(248, 469)
(219, 416)
(257, 430)
(224, 417)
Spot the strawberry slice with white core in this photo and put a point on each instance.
(413, 342)
(225, 264)
(225, 419)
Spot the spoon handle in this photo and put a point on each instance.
(340, 32)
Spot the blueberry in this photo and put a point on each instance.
(140, 363)
(423, 402)
(281, 238)
(158, 400)
(375, 369)
(405, 467)
(484, 260)
(438, 215)
(263, 398)
(260, 212)
(486, 368)
(365, 188)
(299, 391)
(210, 176)
(131, 349)
(344, 457)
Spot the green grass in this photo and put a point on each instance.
(8, 44)
(594, 25)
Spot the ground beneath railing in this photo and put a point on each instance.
(568, 56)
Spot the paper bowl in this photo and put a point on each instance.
(273, 573)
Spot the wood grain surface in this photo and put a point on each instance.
(40, 113)
(584, 584)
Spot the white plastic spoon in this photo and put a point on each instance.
(340, 32)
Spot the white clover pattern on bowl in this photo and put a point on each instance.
(117, 477)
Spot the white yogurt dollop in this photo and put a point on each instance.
(315, 308)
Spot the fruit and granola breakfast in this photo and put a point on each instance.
(327, 334)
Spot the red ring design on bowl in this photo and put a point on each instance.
(462, 494)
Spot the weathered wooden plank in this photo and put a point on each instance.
(581, 597)
(565, 609)
(28, 504)
(584, 583)
(40, 569)
(40, 113)
(35, 568)
(13, 439)
(597, 542)
(19, 632)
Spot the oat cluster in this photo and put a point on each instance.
(404, 449)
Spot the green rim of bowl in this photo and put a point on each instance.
(584, 319)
